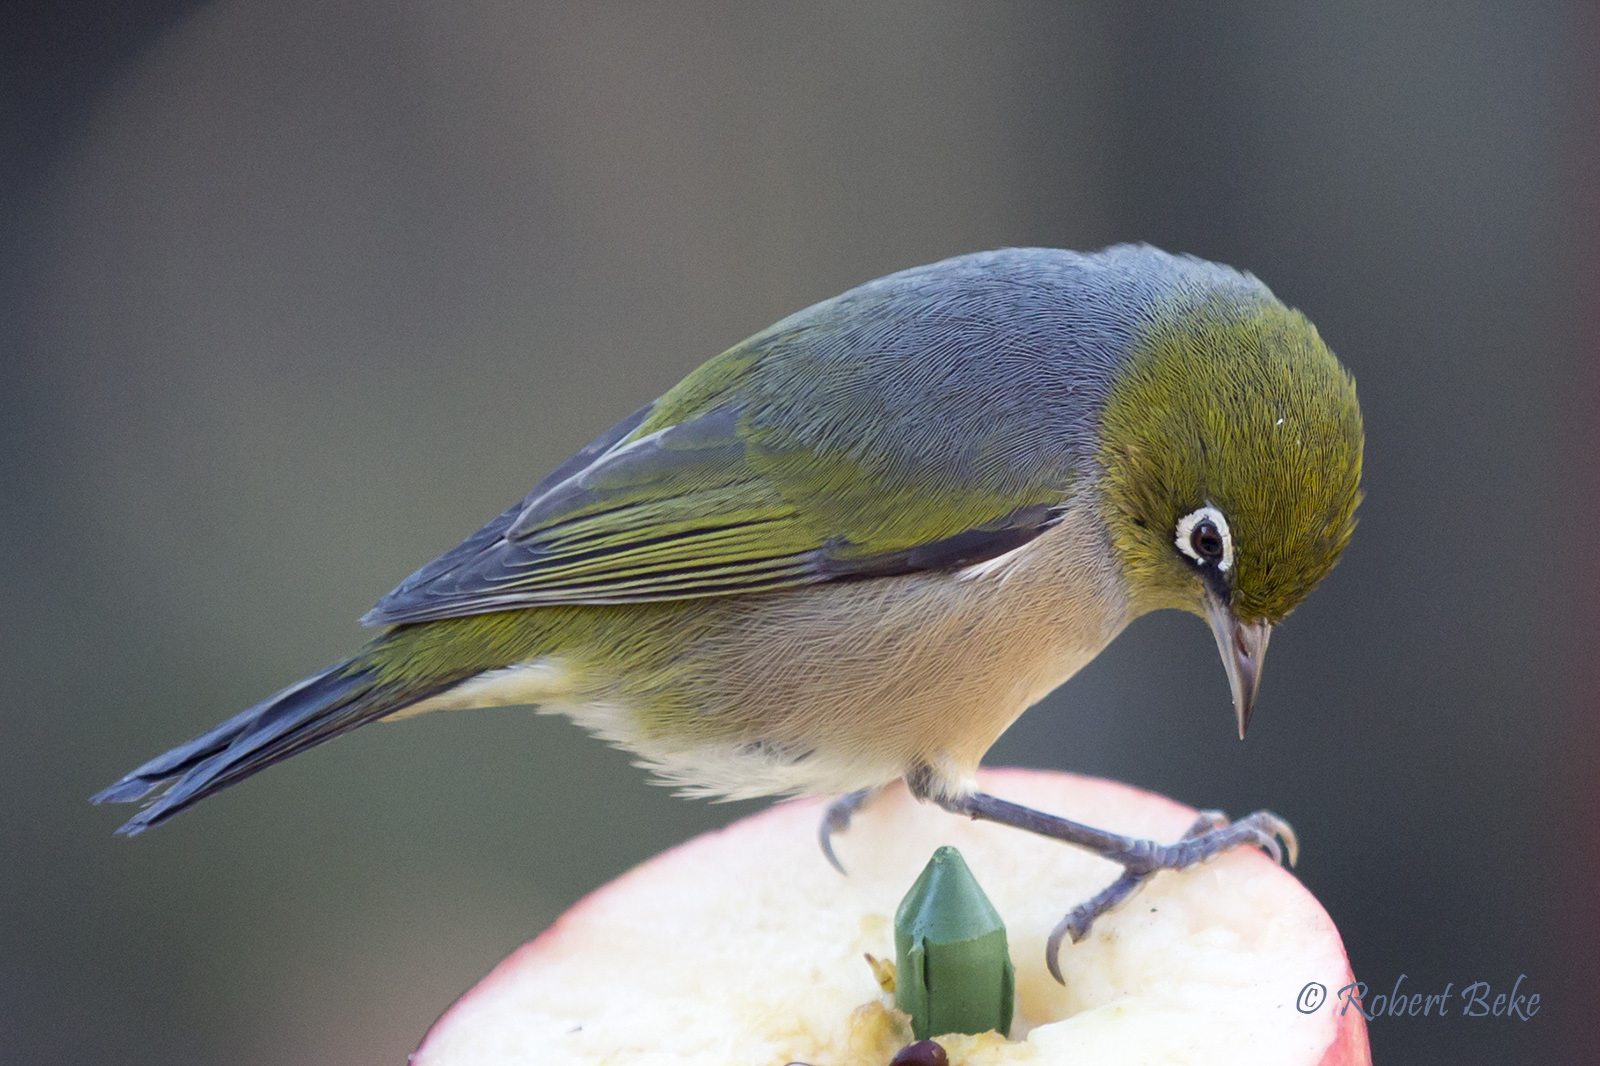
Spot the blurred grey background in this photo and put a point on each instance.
(296, 294)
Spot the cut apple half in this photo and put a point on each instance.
(744, 947)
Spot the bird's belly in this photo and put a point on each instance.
(844, 686)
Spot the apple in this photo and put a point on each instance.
(744, 947)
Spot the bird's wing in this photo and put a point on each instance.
(751, 475)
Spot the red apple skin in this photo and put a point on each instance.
(1350, 1047)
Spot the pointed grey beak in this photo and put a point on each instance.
(1243, 646)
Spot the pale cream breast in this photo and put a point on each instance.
(843, 686)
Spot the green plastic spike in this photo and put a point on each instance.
(953, 971)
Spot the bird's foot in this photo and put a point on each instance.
(1210, 835)
(836, 819)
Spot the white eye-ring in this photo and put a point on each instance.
(1203, 536)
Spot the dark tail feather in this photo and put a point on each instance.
(301, 716)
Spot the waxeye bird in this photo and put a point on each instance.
(857, 546)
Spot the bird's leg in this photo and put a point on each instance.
(1211, 835)
(836, 819)
(1079, 919)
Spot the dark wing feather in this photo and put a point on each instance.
(680, 513)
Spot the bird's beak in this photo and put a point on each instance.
(1243, 646)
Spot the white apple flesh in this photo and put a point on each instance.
(744, 947)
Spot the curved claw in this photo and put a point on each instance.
(825, 839)
(1269, 828)
(1081, 918)
(836, 819)
(1052, 947)
(1269, 843)
(1283, 829)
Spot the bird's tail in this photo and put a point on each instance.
(305, 714)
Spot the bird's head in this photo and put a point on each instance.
(1231, 451)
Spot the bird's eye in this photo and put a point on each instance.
(1207, 541)
(1203, 536)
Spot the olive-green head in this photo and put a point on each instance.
(1231, 450)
